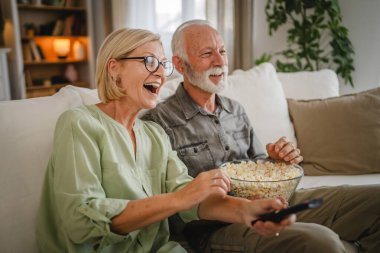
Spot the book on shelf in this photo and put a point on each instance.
(39, 48)
(69, 20)
(54, 2)
(78, 28)
(69, 3)
(58, 28)
(28, 78)
(27, 52)
(35, 53)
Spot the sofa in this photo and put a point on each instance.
(276, 103)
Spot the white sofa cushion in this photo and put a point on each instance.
(88, 96)
(26, 136)
(310, 84)
(260, 92)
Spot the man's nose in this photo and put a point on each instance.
(220, 59)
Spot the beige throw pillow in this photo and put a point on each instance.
(339, 136)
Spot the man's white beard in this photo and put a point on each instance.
(202, 81)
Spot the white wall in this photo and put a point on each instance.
(363, 22)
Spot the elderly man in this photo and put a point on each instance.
(207, 130)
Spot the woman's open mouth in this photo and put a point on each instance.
(152, 87)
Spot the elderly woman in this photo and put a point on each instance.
(113, 180)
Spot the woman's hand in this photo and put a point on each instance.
(284, 150)
(213, 182)
(268, 228)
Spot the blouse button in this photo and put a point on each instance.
(195, 150)
(227, 148)
(216, 121)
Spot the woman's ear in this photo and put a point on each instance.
(112, 67)
(178, 64)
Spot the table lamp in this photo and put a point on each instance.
(61, 47)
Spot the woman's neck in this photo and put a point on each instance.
(123, 114)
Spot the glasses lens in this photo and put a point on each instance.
(168, 66)
(151, 63)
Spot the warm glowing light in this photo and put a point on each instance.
(61, 47)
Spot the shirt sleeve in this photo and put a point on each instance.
(82, 205)
(256, 150)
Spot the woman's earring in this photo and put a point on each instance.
(114, 81)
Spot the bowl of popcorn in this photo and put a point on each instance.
(262, 179)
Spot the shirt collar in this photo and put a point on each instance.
(190, 108)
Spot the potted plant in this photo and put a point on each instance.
(312, 23)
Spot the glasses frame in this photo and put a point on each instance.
(145, 63)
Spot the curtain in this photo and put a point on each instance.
(221, 14)
(232, 18)
(243, 34)
(234, 21)
(129, 13)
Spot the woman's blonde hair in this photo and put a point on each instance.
(118, 44)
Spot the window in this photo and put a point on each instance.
(169, 14)
(164, 16)
(160, 16)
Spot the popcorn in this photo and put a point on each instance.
(263, 179)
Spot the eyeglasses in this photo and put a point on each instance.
(152, 64)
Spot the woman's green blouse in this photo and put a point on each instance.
(92, 174)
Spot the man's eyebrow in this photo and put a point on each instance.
(212, 48)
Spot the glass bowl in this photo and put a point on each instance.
(262, 179)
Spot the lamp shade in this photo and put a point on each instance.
(61, 47)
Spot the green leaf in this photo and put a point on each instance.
(264, 58)
(305, 21)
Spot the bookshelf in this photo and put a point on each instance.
(54, 41)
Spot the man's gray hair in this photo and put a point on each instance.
(177, 43)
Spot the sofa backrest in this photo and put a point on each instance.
(27, 126)
(263, 93)
(26, 136)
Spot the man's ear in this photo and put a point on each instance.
(178, 64)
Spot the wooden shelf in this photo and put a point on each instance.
(32, 26)
(42, 87)
(40, 91)
(43, 7)
(38, 37)
(53, 62)
(44, 73)
(55, 86)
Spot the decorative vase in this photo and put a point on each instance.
(78, 50)
(71, 73)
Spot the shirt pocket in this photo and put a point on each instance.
(197, 157)
(242, 140)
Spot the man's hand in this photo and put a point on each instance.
(284, 150)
